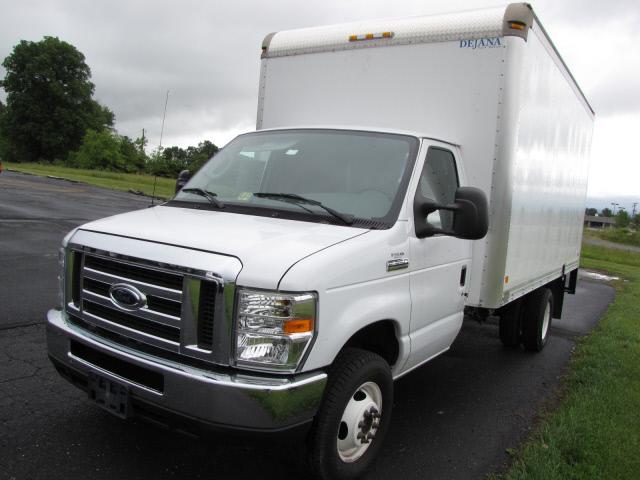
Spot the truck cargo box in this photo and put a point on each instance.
(489, 81)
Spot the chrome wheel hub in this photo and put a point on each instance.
(360, 422)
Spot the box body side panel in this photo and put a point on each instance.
(489, 253)
(523, 130)
(448, 90)
(549, 173)
(443, 90)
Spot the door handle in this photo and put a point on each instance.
(463, 276)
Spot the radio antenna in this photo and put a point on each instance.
(155, 173)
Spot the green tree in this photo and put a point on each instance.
(3, 141)
(158, 164)
(170, 161)
(622, 219)
(99, 150)
(591, 211)
(175, 156)
(106, 150)
(198, 156)
(606, 212)
(167, 162)
(134, 157)
(141, 143)
(49, 101)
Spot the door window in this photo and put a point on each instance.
(438, 182)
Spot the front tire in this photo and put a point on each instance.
(354, 416)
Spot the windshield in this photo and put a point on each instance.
(361, 175)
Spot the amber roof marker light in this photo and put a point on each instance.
(515, 25)
(370, 36)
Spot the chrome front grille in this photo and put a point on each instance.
(180, 314)
(164, 282)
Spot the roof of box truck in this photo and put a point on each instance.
(515, 19)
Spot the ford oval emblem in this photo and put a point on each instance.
(127, 296)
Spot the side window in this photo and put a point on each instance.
(438, 182)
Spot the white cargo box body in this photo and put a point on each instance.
(502, 94)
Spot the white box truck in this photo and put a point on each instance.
(404, 173)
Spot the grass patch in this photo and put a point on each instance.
(596, 254)
(117, 181)
(618, 235)
(595, 432)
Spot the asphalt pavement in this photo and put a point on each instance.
(35, 215)
(454, 418)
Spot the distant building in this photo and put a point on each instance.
(593, 221)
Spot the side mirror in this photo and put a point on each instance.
(183, 178)
(470, 215)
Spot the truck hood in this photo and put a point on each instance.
(267, 247)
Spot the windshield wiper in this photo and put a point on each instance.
(206, 194)
(298, 199)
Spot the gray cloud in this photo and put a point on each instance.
(589, 13)
(619, 92)
(207, 53)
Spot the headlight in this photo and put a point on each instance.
(274, 329)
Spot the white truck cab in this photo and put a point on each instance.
(404, 173)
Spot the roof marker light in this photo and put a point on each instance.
(370, 36)
(517, 25)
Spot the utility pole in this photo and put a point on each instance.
(633, 212)
(614, 205)
(142, 143)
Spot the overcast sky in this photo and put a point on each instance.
(206, 53)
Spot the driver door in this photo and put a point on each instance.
(441, 263)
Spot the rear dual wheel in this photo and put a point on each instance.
(538, 311)
(354, 417)
(527, 321)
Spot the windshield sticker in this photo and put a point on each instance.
(491, 42)
(245, 196)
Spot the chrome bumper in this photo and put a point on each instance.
(223, 398)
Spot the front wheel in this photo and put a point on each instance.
(354, 416)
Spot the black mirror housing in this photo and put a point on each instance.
(422, 207)
(183, 177)
(471, 215)
(471, 220)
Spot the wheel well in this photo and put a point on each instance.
(379, 337)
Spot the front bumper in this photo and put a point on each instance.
(220, 398)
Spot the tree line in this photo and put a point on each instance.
(622, 217)
(51, 116)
